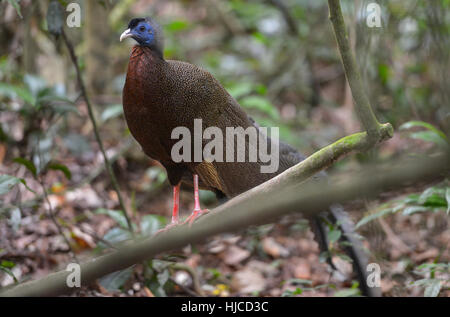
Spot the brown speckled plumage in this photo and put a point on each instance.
(160, 95)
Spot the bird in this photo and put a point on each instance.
(161, 95)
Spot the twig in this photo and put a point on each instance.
(112, 176)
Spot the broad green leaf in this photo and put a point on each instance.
(116, 235)
(429, 136)
(13, 92)
(7, 182)
(117, 215)
(115, 281)
(111, 112)
(151, 223)
(422, 124)
(27, 163)
(334, 235)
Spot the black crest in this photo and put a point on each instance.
(135, 22)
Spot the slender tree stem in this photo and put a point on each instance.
(362, 104)
(112, 176)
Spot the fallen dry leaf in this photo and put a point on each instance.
(273, 248)
(248, 281)
(234, 255)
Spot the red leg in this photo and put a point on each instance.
(197, 210)
(176, 204)
(175, 209)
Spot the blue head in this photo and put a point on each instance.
(146, 32)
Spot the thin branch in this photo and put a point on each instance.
(362, 104)
(112, 176)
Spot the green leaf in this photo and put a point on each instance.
(13, 92)
(27, 163)
(428, 136)
(117, 215)
(7, 264)
(433, 289)
(15, 4)
(110, 112)
(115, 281)
(7, 182)
(151, 223)
(431, 135)
(62, 168)
(334, 235)
(261, 104)
(422, 124)
(116, 235)
(413, 209)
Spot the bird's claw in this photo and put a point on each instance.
(195, 214)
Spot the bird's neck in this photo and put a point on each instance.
(146, 52)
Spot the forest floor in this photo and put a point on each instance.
(279, 259)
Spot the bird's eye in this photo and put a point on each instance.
(142, 29)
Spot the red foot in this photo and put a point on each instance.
(194, 215)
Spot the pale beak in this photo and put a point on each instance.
(127, 33)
